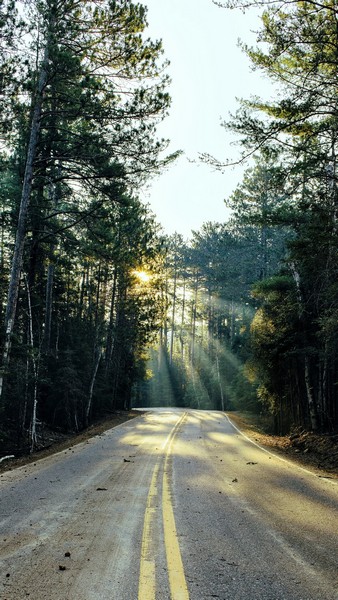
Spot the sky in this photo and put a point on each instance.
(208, 72)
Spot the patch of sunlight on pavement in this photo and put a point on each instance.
(220, 438)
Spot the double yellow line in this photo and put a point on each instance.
(147, 580)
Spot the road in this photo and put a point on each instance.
(171, 505)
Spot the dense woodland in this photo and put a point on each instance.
(258, 296)
(82, 91)
(99, 311)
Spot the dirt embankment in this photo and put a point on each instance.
(309, 449)
(49, 442)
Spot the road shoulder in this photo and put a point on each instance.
(319, 452)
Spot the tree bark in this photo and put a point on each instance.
(17, 260)
(97, 358)
(219, 381)
(35, 371)
(309, 390)
(49, 305)
(310, 396)
(182, 321)
(110, 331)
(173, 317)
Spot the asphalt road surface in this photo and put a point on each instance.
(171, 505)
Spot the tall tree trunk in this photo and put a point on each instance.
(182, 321)
(54, 199)
(110, 331)
(17, 260)
(232, 324)
(97, 358)
(173, 317)
(97, 295)
(165, 328)
(193, 319)
(2, 261)
(219, 380)
(35, 369)
(193, 340)
(49, 306)
(312, 409)
(310, 396)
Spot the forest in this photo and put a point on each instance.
(99, 310)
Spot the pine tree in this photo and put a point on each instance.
(83, 140)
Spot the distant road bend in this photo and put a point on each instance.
(175, 504)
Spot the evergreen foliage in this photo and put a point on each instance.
(293, 189)
(205, 340)
(83, 90)
(245, 314)
(262, 290)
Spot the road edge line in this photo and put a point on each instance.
(287, 461)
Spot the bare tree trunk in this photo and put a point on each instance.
(193, 319)
(54, 197)
(97, 298)
(193, 340)
(232, 324)
(193, 330)
(182, 321)
(24, 410)
(173, 317)
(219, 381)
(264, 246)
(165, 328)
(310, 396)
(2, 257)
(49, 305)
(325, 410)
(35, 370)
(57, 340)
(309, 390)
(97, 358)
(82, 293)
(110, 332)
(14, 282)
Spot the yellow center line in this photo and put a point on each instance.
(147, 579)
(177, 581)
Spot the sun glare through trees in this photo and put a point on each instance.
(199, 355)
(142, 276)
